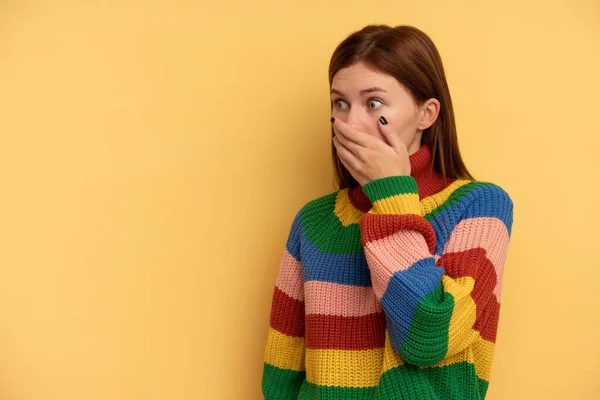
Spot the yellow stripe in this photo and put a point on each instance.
(346, 368)
(283, 351)
(483, 353)
(406, 203)
(391, 358)
(345, 211)
(480, 354)
(335, 367)
(430, 203)
(348, 214)
(463, 314)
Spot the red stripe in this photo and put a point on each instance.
(287, 314)
(346, 332)
(474, 263)
(375, 226)
(487, 323)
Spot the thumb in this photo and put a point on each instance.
(390, 136)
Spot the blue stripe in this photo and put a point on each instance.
(403, 294)
(492, 201)
(482, 201)
(293, 241)
(352, 268)
(348, 269)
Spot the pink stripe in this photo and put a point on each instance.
(336, 299)
(488, 233)
(394, 253)
(289, 278)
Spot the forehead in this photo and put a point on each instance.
(360, 76)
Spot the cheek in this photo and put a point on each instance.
(396, 122)
(401, 121)
(400, 125)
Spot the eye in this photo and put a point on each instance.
(336, 101)
(371, 101)
(374, 101)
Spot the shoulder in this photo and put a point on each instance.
(321, 205)
(308, 223)
(316, 209)
(485, 199)
(484, 191)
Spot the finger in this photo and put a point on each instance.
(344, 153)
(351, 133)
(350, 145)
(390, 136)
(348, 167)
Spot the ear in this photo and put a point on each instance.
(429, 112)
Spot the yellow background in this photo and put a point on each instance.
(154, 153)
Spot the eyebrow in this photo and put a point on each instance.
(369, 90)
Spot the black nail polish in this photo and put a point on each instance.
(332, 119)
(383, 120)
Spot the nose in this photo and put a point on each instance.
(356, 120)
(363, 121)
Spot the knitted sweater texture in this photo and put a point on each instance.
(390, 291)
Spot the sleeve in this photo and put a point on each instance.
(436, 305)
(284, 368)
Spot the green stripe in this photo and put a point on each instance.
(483, 387)
(281, 384)
(319, 214)
(311, 391)
(456, 197)
(434, 311)
(407, 382)
(452, 382)
(390, 186)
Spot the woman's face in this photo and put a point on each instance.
(382, 95)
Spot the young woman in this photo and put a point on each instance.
(389, 288)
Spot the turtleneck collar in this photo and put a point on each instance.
(428, 181)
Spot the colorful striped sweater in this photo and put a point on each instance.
(390, 291)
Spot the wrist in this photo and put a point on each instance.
(396, 194)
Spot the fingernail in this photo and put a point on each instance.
(332, 119)
(383, 120)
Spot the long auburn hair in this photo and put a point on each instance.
(410, 56)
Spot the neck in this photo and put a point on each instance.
(428, 180)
